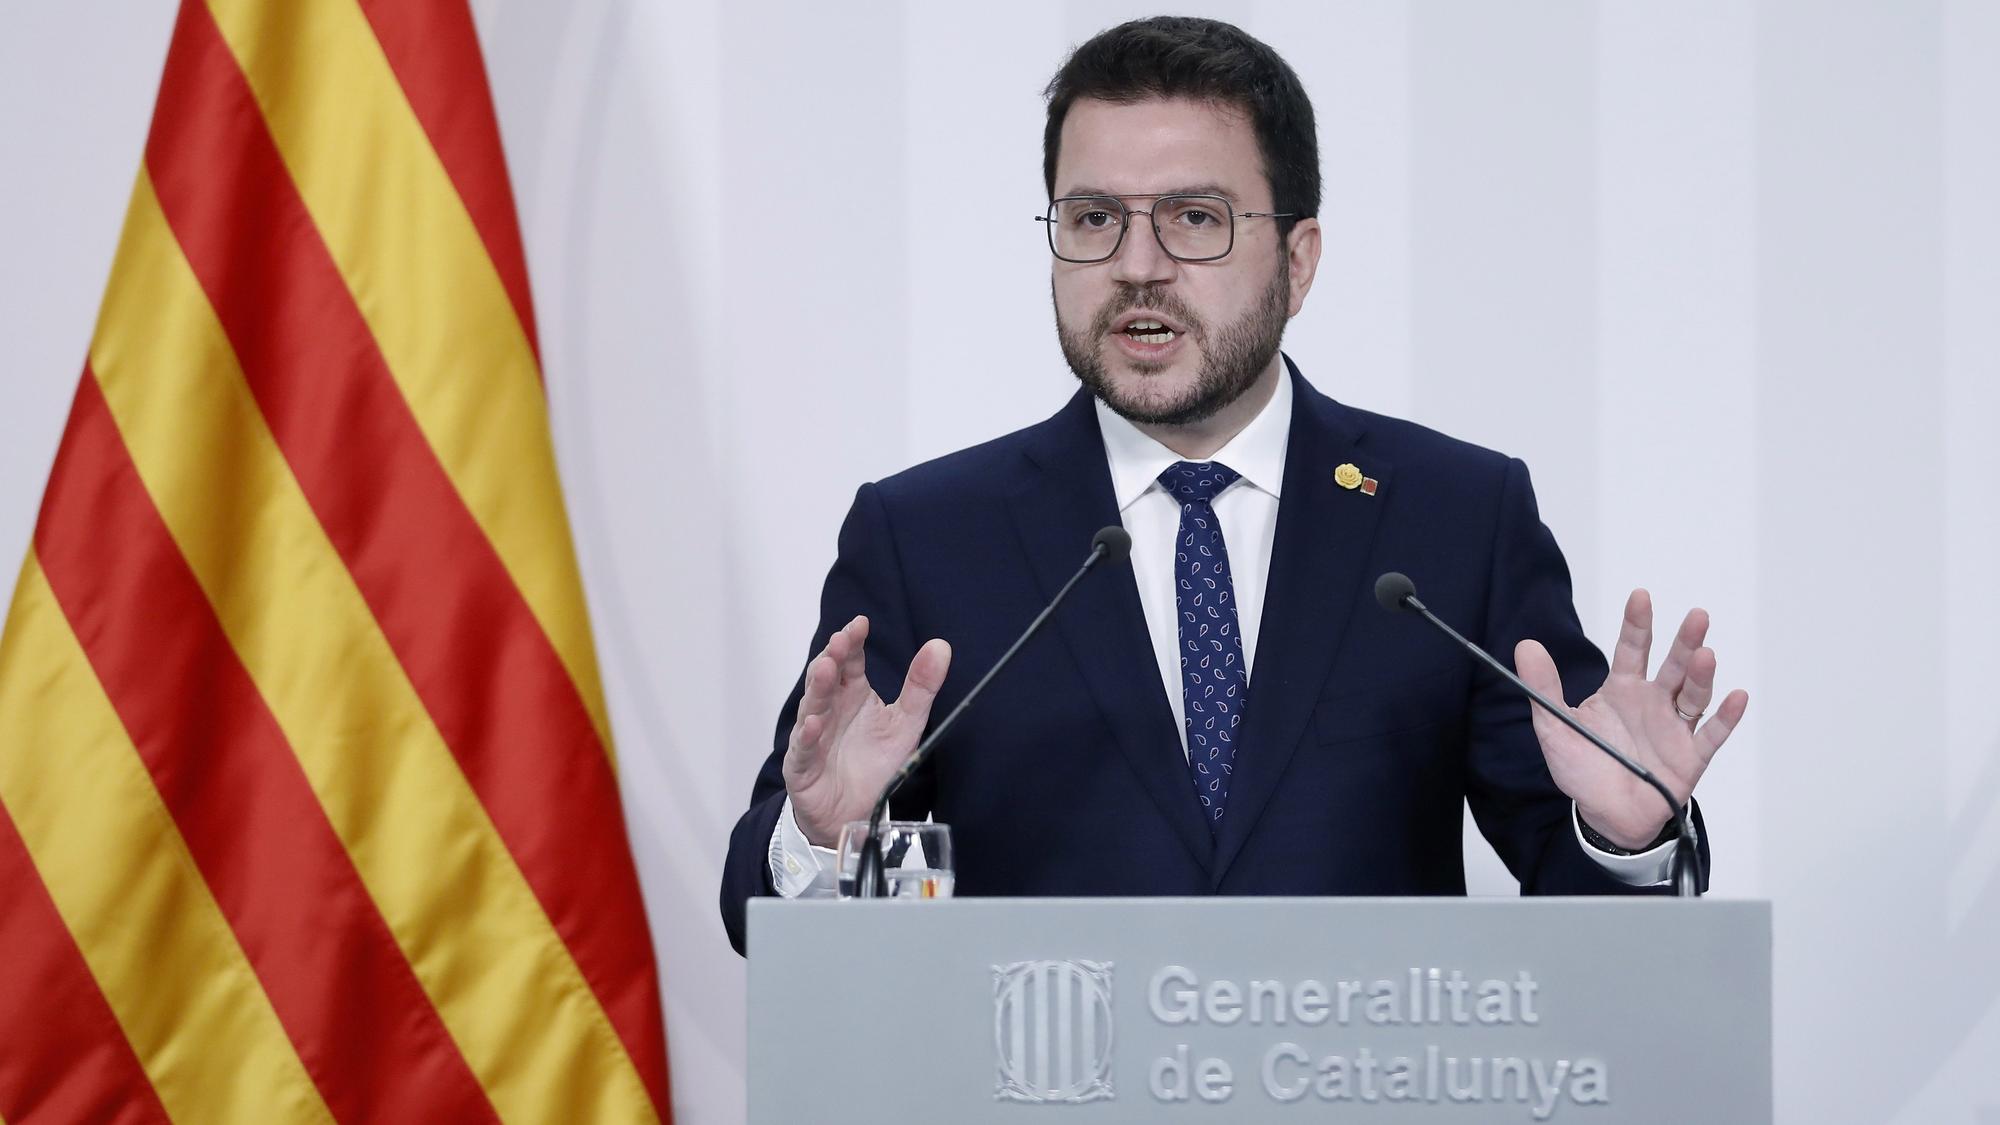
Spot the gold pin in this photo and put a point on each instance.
(1347, 476)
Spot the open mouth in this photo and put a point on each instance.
(1149, 331)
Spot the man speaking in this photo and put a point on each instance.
(1232, 715)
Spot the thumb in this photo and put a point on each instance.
(925, 678)
(1537, 669)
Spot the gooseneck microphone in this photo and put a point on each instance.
(1397, 593)
(1111, 544)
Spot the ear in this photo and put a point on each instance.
(1302, 261)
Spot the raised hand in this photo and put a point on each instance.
(846, 742)
(1657, 722)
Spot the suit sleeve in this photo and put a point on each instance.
(1513, 798)
(866, 579)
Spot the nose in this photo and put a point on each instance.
(1141, 260)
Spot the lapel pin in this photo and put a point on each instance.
(1348, 477)
(1369, 485)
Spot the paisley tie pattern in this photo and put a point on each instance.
(1214, 683)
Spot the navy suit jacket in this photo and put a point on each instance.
(1365, 731)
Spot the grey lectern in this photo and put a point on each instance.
(1067, 1011)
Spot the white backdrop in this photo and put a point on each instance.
(1726, 274)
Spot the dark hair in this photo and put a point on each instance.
(1207, 60)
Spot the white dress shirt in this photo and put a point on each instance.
(1248, 513)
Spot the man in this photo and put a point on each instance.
(1231, 715)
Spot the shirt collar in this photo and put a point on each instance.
(1257, 452)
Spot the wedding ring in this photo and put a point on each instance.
(1694, 718)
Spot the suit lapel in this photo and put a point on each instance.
(1318, 576)
(1068, 498)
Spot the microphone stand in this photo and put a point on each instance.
(871, 878)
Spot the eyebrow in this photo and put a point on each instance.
(1197, 189)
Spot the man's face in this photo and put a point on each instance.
(1222, 319)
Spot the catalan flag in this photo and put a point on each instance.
(308, 809)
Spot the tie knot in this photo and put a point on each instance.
(1197, 480)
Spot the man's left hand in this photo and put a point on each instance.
(1647, 719)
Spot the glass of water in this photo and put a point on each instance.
(916, 858)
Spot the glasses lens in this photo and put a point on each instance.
(1195, 226)
(1085, 228)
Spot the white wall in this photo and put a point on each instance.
(1726, 274)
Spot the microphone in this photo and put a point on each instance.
(1112, 544)
(1398, 594)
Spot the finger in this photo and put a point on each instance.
(844, 635)
(821, 674)
(1537, 669)
(1673, 670)
(817, 698)
(853, 653)
(839, 651)
(1699, 686)
(1722, 724)
(848, 691)
(806, 734)
(926, 676)
(1635, 636)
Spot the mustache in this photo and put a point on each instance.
(1129, 297)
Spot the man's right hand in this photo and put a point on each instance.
(846, 743)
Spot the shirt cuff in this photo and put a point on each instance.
(798, 868)
(1645, 869)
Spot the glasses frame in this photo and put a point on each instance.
(1125, 223)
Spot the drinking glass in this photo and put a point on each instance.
(916, 858)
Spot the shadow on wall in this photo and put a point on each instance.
(619, 287)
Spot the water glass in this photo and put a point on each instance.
(916, 858)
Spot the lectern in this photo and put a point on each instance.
(1103, 1011)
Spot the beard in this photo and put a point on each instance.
(1232, 358)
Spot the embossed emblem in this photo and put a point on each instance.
(1052, 1031)
(1347, 476)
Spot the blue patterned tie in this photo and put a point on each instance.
(1214, 685)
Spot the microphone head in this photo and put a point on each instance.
(1115, 543)
(1392, 588)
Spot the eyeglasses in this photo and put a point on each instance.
(1191, 228)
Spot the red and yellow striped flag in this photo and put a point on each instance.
(307, 804)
